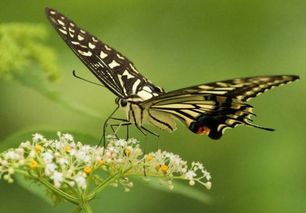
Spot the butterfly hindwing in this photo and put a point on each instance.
(214, 107)
(113, 69)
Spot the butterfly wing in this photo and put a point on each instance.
(114, 70)
(211, 108)
(245, 89)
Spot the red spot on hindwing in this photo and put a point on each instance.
(203, 130)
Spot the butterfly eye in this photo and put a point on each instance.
(123, 102)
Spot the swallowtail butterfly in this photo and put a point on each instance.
(205, 109)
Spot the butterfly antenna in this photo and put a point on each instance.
(83, 79)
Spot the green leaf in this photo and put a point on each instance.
(34, 188)
(180, 188)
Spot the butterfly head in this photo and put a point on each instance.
(122, 102)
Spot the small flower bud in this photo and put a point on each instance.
(11, 170)
(6, 177)
(191, 182)
(71, 183)
(208, 185)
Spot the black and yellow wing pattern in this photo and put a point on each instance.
(213, 107)
(209, 108)
(111, 68)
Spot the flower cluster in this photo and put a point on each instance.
(67, 164)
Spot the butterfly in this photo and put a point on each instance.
(209, 108)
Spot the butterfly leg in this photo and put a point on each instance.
(127, 126)
(115, 127)
(149, 131)
(105, 126)
(140, 129)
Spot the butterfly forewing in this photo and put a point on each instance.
(246, 88)
(239, 88)
(114, 70)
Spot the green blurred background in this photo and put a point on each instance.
(178, 44)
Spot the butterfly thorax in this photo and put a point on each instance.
(132, 104)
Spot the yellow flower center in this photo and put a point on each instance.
(164, 168)
(149, 158)
(67, 148)
(38, 148)
(87, 170)
(33, 164)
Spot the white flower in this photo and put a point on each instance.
(11, 155)
(37, 137)
(64, 162)
(25, 145)
(47, 156)
(50, 169)
(120, 142)
(32, 154)
(190, 175)
(207, 175)
(57, 177)
(80, 180)
(58, 145)
(82, 156)
(68, 137)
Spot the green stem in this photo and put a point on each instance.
(84, 204)
(64, 195)
(78, 210)
(106, 183)
(102, 186)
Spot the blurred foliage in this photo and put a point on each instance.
(22, 47)
(177, 44)
(23, 55)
